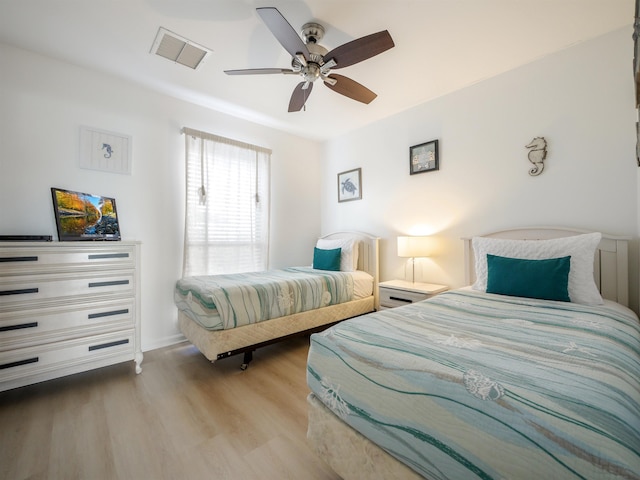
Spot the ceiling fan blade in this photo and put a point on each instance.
(299, 96)
(283, 31)
(259, 71)
(350, 88)
(360, 49)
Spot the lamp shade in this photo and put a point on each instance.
(413, 247)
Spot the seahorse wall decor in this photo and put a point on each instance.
(537, 153)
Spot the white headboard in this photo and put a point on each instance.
(368, 255)
(611, 262)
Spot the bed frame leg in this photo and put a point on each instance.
(248, 356)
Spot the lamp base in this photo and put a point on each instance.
(413, 270)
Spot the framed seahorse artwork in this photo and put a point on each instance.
(350, 185)
(105, 151)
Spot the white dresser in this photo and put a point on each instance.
(67, 307)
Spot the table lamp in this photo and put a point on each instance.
(413, 247)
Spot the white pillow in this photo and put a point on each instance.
(348, 255)
(581, 248)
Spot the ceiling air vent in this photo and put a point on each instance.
(178, 49)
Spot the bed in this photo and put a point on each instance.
(482, 383)
(216, 340)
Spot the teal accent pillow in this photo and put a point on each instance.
(326, 259)
(544, 279)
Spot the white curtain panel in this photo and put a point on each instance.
(227, 205)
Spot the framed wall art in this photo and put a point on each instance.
(350, 185)
(424, 157)
(105, 151)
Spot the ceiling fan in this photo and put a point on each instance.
(312, 61)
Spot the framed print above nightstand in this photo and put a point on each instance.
(424, 157)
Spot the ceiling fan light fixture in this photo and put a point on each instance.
(311, 72)
(317, 52)
(179, 49)
(312, 61)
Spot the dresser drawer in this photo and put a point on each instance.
(48, 259)
(97, 350)
(29, 289)
(395, 298)
(32, 327)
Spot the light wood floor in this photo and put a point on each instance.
(182, 418)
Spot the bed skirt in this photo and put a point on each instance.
(213, 343)
(346, 451)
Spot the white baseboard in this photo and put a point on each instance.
(163, 342)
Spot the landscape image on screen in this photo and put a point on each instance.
(81, 216)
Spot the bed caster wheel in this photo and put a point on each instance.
(248, 356)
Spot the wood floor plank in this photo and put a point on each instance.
(183, 417)
(78, 432)
(24, 444)
(285, 458)
(216, 458)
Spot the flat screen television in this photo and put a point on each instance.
(82, 216)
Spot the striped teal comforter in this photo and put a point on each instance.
(470, 385)
(219, 302)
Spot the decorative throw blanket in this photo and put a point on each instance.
(219, 302)
(469, 385)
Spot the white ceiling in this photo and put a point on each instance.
(441, 46)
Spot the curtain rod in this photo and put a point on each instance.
(228, 141)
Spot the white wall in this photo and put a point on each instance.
(43, 102)
(581, 100)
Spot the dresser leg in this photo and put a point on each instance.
(138, 359)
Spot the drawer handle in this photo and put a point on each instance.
(406, 300)
(98, 256)
(107, 314)
(19, 327)
(18, 259)
(108, 284)
(19, 292)
(19, 362)
(107, 345)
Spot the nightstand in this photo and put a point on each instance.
(396, 293)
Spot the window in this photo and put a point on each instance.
(227, 205)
